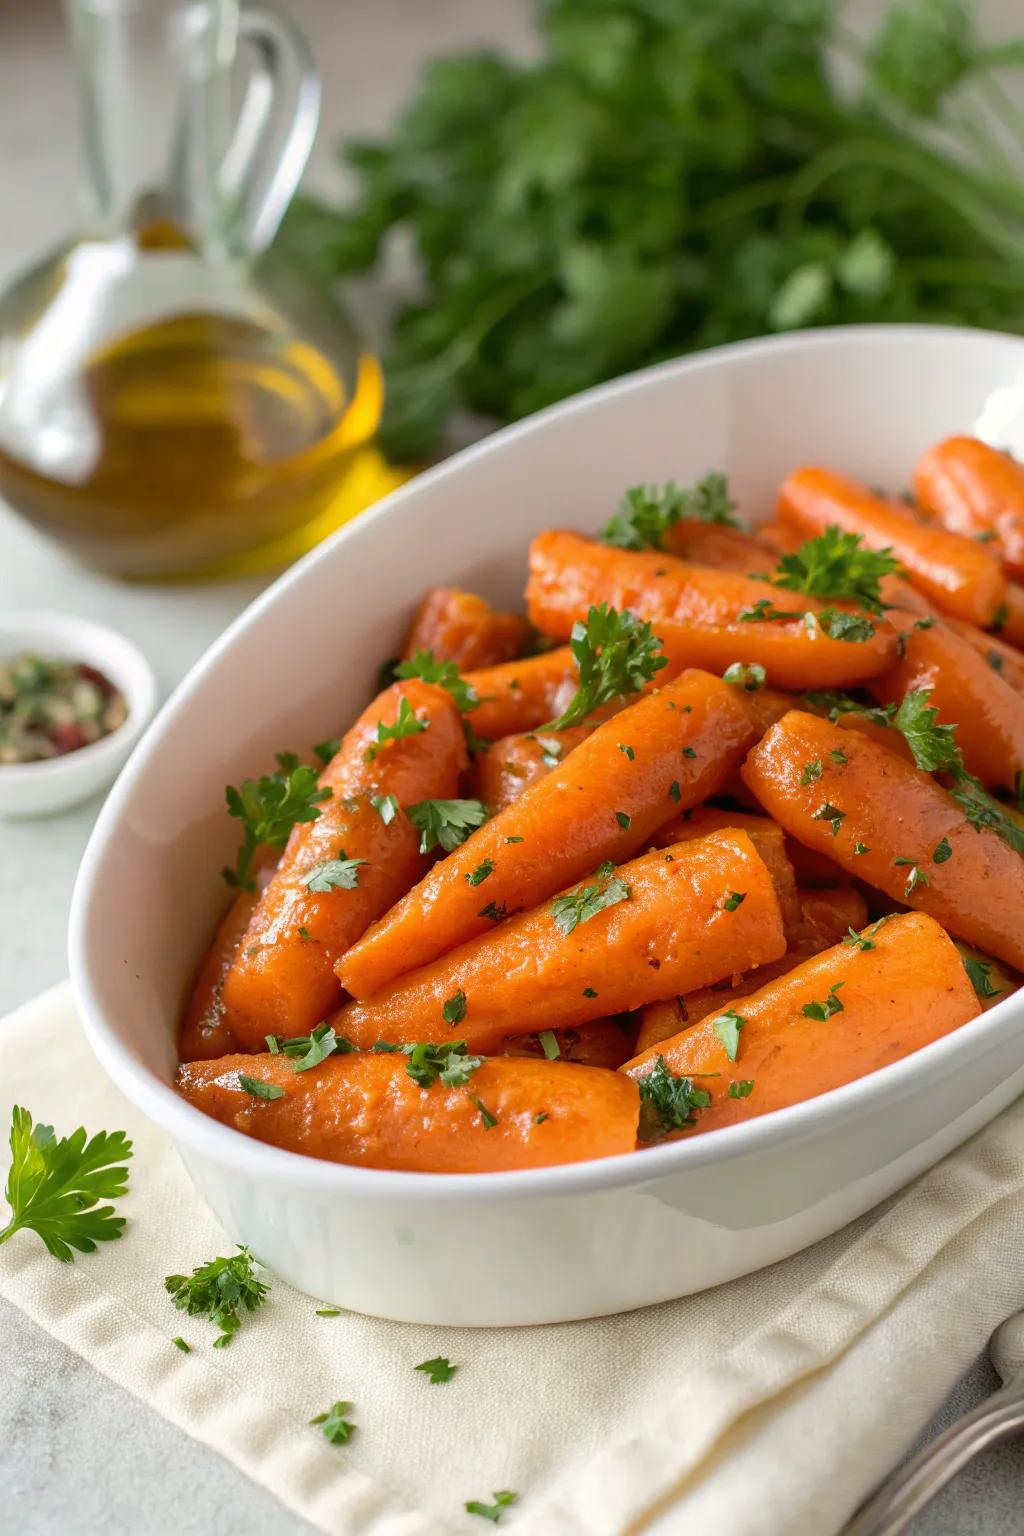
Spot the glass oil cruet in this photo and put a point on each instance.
(175, 396)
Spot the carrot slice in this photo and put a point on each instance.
(696, 612)
(957, 574)
(282, 979)
(461, 627)
(366, 1109)
(975, 490)
(838, 1016)
(874, 802)
(967, 692)
(680, 919)
(602, 802)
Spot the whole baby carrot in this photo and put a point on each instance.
(836, 1017)
(959, 575)
(668, 750)
(667, 922)
(704, 617)
(1008, 620)
(519, 696)
(967, 692)
(766, 837)
(348, 866)
(891, 824)
(204, 1030)
(501, 774)
(461, 627)
(1002, 657)
(975, 490)
(601, 1043)
(366, 1109)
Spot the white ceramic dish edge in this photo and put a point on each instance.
(527, 1247)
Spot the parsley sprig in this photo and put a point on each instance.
(581, 905)
(446, 823)
(647, 512)
(223, 1289)
(837, 565)
(268, 808)
(425, 665)
(406, 723)
(54, 1186)
(616, 655)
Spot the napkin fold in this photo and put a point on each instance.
(769, 1405)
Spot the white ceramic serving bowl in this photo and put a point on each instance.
(37, 789)
(559, 1243)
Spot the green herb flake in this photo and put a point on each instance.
(733, 900)
(749, 675)
(492, 1512)
(335, 1423)
(489, 1120)
(406, 723)
(839, 757)
(915, 878)
(942, 851)
(667, 1103)
(587, 901)
(328, 1312)
(861, 848)
(539, 1119)
(454, 1010)
(623, 820)
(626, 750)
(513, 839)
(446, 823)
(495, 911)
(340, 874)
(616, 655)
(832, 814)
(727, 1027)
(589, 992)
(811, 771)
(179, 1343)
(549, 1044)
(479, 875)
(223, 1290)
(437, 1370)
(425, 665)
(386, 806)
(741, 1089)
(827, 1007)
(978, 973)
(259, 1089)
(674, 791)
(857, 940)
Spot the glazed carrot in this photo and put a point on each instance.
(461, 627)
(1003, 658)
(1009, 619)
(957, 574)
(891, 810)
(366, 1109)
(282, 979)
(727, 549)
(696, 612)
(967, 692)
(679, 919)
(204, 1030)
(600, 803)
(868, 1007)
(519, 696)
(601, 1043)
(977, 491)
(825, 917)
(513, 763)
(894, 590)
(766, 837)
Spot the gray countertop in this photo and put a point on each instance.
(58, 1418)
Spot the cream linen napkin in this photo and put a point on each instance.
(769, 1405)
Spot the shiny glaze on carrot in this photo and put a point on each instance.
(461, 627)
(975, 490)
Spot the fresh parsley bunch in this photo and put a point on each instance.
(666, 177)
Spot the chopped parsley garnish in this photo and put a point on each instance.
(386, 806)
(915, 878)
(1000, 617)
(933, 746)
(513, 839)
(811, 771)
(304, 934)
(479, 875)
(839, 756)
(741, 1089)
(489, 1120)
(830, 813)
(496, 911)
(539, 1119)
(335, 1424)
(832, 704)
(978, 972)
(406, 723)
(727, 1027)
(995, 661)
(839, 625)
(179, 1343)
(647, 512)
(549, 1044)
(857, 940)
(223, 1290)
(425, 665)
(310, 1050)
(454, 1010)
(340, 874)
(827, 1007)
(449, 1063)
(437, 1370)
(581, 905)
(328, 1312)
(589, 992)
(446, 823)
(861, 848)
(616, 654)
(733, 900)
(667, 1103)
(746, 674)
(268, 808)
(942, 852)
(689, 752)
(623, 820)
(627, 750)
(837, 565)
(674, 791)
(764, 610)
(54, 1186)
(325, 750)
(258, 1089)
(492, 1512)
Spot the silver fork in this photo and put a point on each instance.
(895, 1503)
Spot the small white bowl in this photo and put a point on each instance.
(35, 789)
